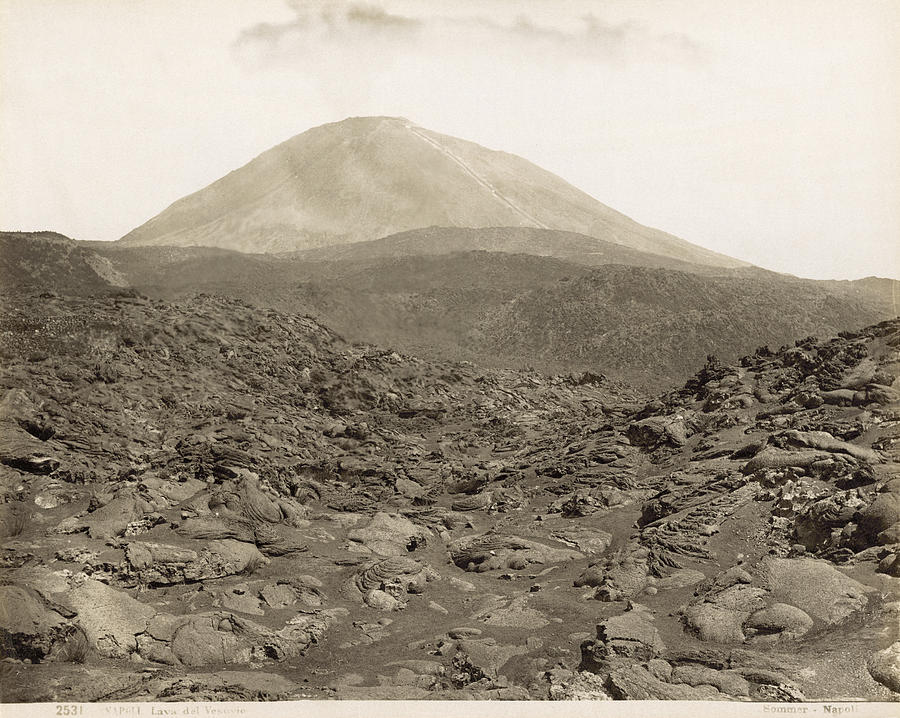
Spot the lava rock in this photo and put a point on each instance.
(779, 619)
(884, 667)
(29, 628)
(815, 587)
(488, 552)
(111, 619)
(882, 514)
(161, 564)
(390, 535)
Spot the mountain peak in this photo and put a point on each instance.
(356, 126)
(360, 124)
(369, 177)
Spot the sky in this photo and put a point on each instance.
(764, 130)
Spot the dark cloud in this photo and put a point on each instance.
(375, 17)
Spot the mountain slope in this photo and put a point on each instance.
(571, 246)
(648, 325)
(369, 177)
(37, 261)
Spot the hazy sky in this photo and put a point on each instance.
(764, 130)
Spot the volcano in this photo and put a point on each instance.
(369, 177)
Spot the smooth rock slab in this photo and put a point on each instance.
(590, 542)
(222, 638)
(882, 514)
(108, 521)
(111, 619)
(680, 579)
(890, 535)
(637, 683)
(815, 587)
(710, 622)
(517, 614)
(890, 565)
(485, 655)
(630, 635)
(489, 552)
(720, 614)
(155, 563)
(279, 595)
(462, 585)
(28, 627)
(884, 667)
(240, 600)
(112, 519)
(730, 682)
(774, 458)
(780, 618)
(211, 640)
(22, 451)
(825, 441)
(389, 535)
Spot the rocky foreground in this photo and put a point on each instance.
(207, 501)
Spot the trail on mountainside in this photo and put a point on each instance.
(480, 180)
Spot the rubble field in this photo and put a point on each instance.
(203, 500)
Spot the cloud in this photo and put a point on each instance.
(585, 37)
(333, 22)
(377, 18)
(595, 37)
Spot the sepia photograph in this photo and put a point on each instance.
(449, 358)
